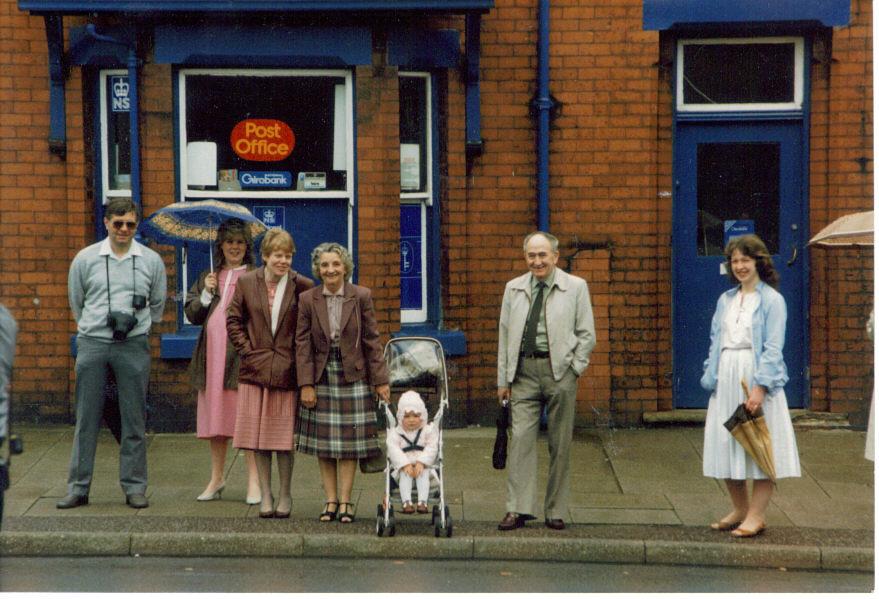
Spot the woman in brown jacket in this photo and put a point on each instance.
(261, 321)
(213, 370)
(339, 364)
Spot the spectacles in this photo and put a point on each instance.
(128, 224)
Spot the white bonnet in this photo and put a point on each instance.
(411, 401)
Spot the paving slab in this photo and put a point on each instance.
(623, 516)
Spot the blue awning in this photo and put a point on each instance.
(249, 6)
(424, 48)
(233, 45)
(85, 49)
(666, 14)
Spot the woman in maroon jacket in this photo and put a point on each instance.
(261, 320)
(339, 364)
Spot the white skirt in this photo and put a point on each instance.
(723, 456)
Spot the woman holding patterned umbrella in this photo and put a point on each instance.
(747, 338)
(340, 366)
(213, 370)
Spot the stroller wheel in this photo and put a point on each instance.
(435, 514)
(438, 529)
(380, 521)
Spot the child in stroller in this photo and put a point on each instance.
(412, 449)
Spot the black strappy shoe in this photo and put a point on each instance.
(329, 515)
(346, 516)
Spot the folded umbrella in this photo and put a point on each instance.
(751, 432)
(196, 222)
(499, 455)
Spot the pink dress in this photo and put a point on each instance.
(217, 406)
(266, 417)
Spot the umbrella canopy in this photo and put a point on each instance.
(751, 432)
(196, 222)
(848, 230)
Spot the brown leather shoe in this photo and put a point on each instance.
(511, 521)
(555, 523)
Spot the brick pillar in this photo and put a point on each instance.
(378, 188)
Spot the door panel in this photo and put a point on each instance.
(734, 178)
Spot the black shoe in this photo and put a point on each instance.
(555, 523)
(70, 500)
(137, 501)
(511, 521)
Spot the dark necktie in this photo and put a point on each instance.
(529, 341)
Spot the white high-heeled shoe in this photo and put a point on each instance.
(218, 492)
(253, 499)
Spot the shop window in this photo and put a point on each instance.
(754, 74)
(265, 133)
(416, 195)
(278, 142)
(115, 134)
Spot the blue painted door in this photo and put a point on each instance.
(734, 177)
(310, 222)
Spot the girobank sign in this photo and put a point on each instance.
(265, 179)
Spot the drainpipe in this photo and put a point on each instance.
(133, 109)
(544, 105)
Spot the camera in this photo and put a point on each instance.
(138, 302)
(121, 324)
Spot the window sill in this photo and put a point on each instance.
(180, 344)
(174, 346)
(454, 343)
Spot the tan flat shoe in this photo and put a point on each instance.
(744, 533)
(723, 525)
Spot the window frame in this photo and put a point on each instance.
(347, 193)
(799, 76)
(106, 192)
(425, 199)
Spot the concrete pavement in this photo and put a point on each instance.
(638, 496)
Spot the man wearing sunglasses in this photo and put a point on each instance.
(116, 289)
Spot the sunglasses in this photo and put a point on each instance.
(128, 224)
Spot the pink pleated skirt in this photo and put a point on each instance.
(265, 418)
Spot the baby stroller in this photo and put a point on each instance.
(417, 363)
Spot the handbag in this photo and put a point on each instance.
(374, 463)
(377, 462)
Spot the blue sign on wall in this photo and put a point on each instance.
(736, 228)
(119, 100)
(411, 296)
(265, 178)
(271, 216)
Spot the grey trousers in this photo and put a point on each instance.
(130, 362)
(533, 386)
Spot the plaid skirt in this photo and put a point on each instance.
(343, 423)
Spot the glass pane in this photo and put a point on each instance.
(411, 268)
(738, 73)
(271, 133)
(737, 190)
(118, 133)
(413, 134)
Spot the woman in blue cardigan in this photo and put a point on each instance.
(747, 338)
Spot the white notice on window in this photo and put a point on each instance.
(410, 167)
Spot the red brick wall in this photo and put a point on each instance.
(841, 174)
(610, 196)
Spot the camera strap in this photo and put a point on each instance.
(133, 280)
